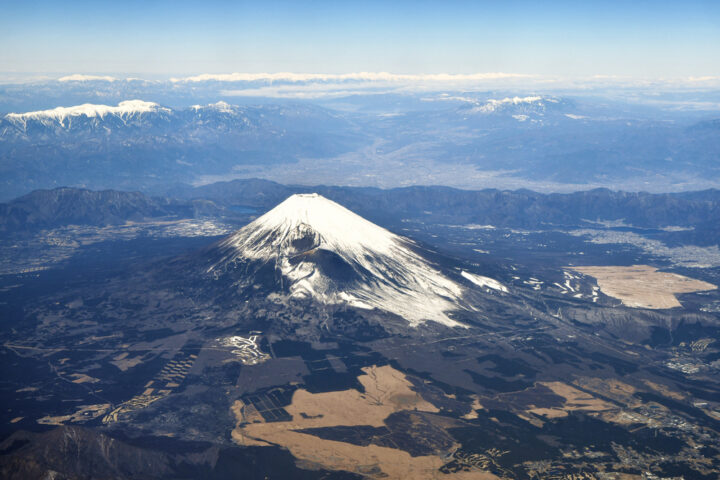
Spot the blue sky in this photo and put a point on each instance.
(165, 38)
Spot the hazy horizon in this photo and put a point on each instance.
(556, 39)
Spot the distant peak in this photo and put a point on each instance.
(220, 106)
(492, 104)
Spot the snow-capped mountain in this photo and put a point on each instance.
(97, 119)
(188, 123)
(146, 143)
(64, 115)
(220, 106)
(86, 122)
(494, 105)
(529, 108)
(324, 251)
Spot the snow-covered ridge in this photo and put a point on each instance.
(61, 114)
(388, 273)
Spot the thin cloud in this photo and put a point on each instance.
(358, 76)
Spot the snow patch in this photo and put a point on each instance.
(481, 281)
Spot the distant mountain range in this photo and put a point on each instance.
(467, 140)
(501, 208)
(698, 213)
(134, 116)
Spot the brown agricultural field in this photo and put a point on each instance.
(386, 391)
(642, 286)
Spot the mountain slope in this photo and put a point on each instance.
(325, 252)
(76, 206)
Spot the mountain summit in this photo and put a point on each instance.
(326, 252)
